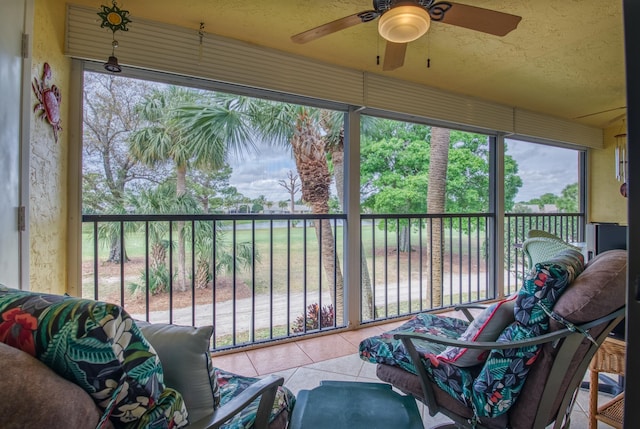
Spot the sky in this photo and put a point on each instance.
(543, 169)
(258, 173)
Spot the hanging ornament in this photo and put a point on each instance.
(115, 19)
(201, 36)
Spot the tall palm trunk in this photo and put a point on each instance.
(436, 192)
(181, 189)
(309, 153)
(337, 156)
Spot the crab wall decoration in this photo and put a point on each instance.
(49, 99)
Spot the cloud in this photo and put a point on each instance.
(543, 169)
(258, 173)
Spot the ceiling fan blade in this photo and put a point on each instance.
(394, 55)
(479, 19)
(331, 27)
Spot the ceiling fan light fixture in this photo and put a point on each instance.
(404, 23)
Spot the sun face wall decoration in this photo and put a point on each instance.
(115, 19)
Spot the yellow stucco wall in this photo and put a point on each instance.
(48, 182)
(49, 163)
(605, 202)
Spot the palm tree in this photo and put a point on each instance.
(160, 200)
(301, 127)
(333, 125)
(189, 129)
(287, 125)
(436, 196)
(215, 255)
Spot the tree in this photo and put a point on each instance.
(292, 187)
(231, 198)
(544, 199)
(300, 127)
(160, 200)
(402, 162)
(209, 186)
(395, 173)
(332, 123)
(436, 196)
(258, 204)
(109, 118)
(569, 200)
(189, 129)
(163, 200)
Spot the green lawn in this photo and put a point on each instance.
(283, 262)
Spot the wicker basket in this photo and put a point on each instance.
(610, 358)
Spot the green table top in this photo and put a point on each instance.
(353, 405)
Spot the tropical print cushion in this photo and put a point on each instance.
(492, 388)
(97, 346)
(487, 326)
(499, 383)
(384, 349)
(232, 384)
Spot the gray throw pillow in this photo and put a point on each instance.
(186, 361)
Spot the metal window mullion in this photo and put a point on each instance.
(335, 275)
(253, 280)
(170, 272)
(319, 223)
(304, 272)
(146, 269)
(386, 268)
(431, 219)
(122, 263)
(374, 287)
(450, 222)
(95, 261)
(233, 282)
(409, 266)
(214, 248)
(469, 299)
(361, 289)
(289, 276)
(420, 271)
(271, 278)
(398, 266)
(193, 273)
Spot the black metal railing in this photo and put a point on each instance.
(568, 226)
(256, 278)
(259, 278)
(417, 263)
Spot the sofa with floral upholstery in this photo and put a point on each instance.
(68, 362)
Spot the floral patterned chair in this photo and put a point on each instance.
(136, 374)
(520, 362)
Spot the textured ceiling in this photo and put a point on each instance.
(566, 58)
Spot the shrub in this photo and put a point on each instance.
(326, 318)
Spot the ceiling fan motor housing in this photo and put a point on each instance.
(382, 6)
(405, 22)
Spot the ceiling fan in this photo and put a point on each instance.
(402, 21)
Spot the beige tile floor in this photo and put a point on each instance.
(305, 363)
